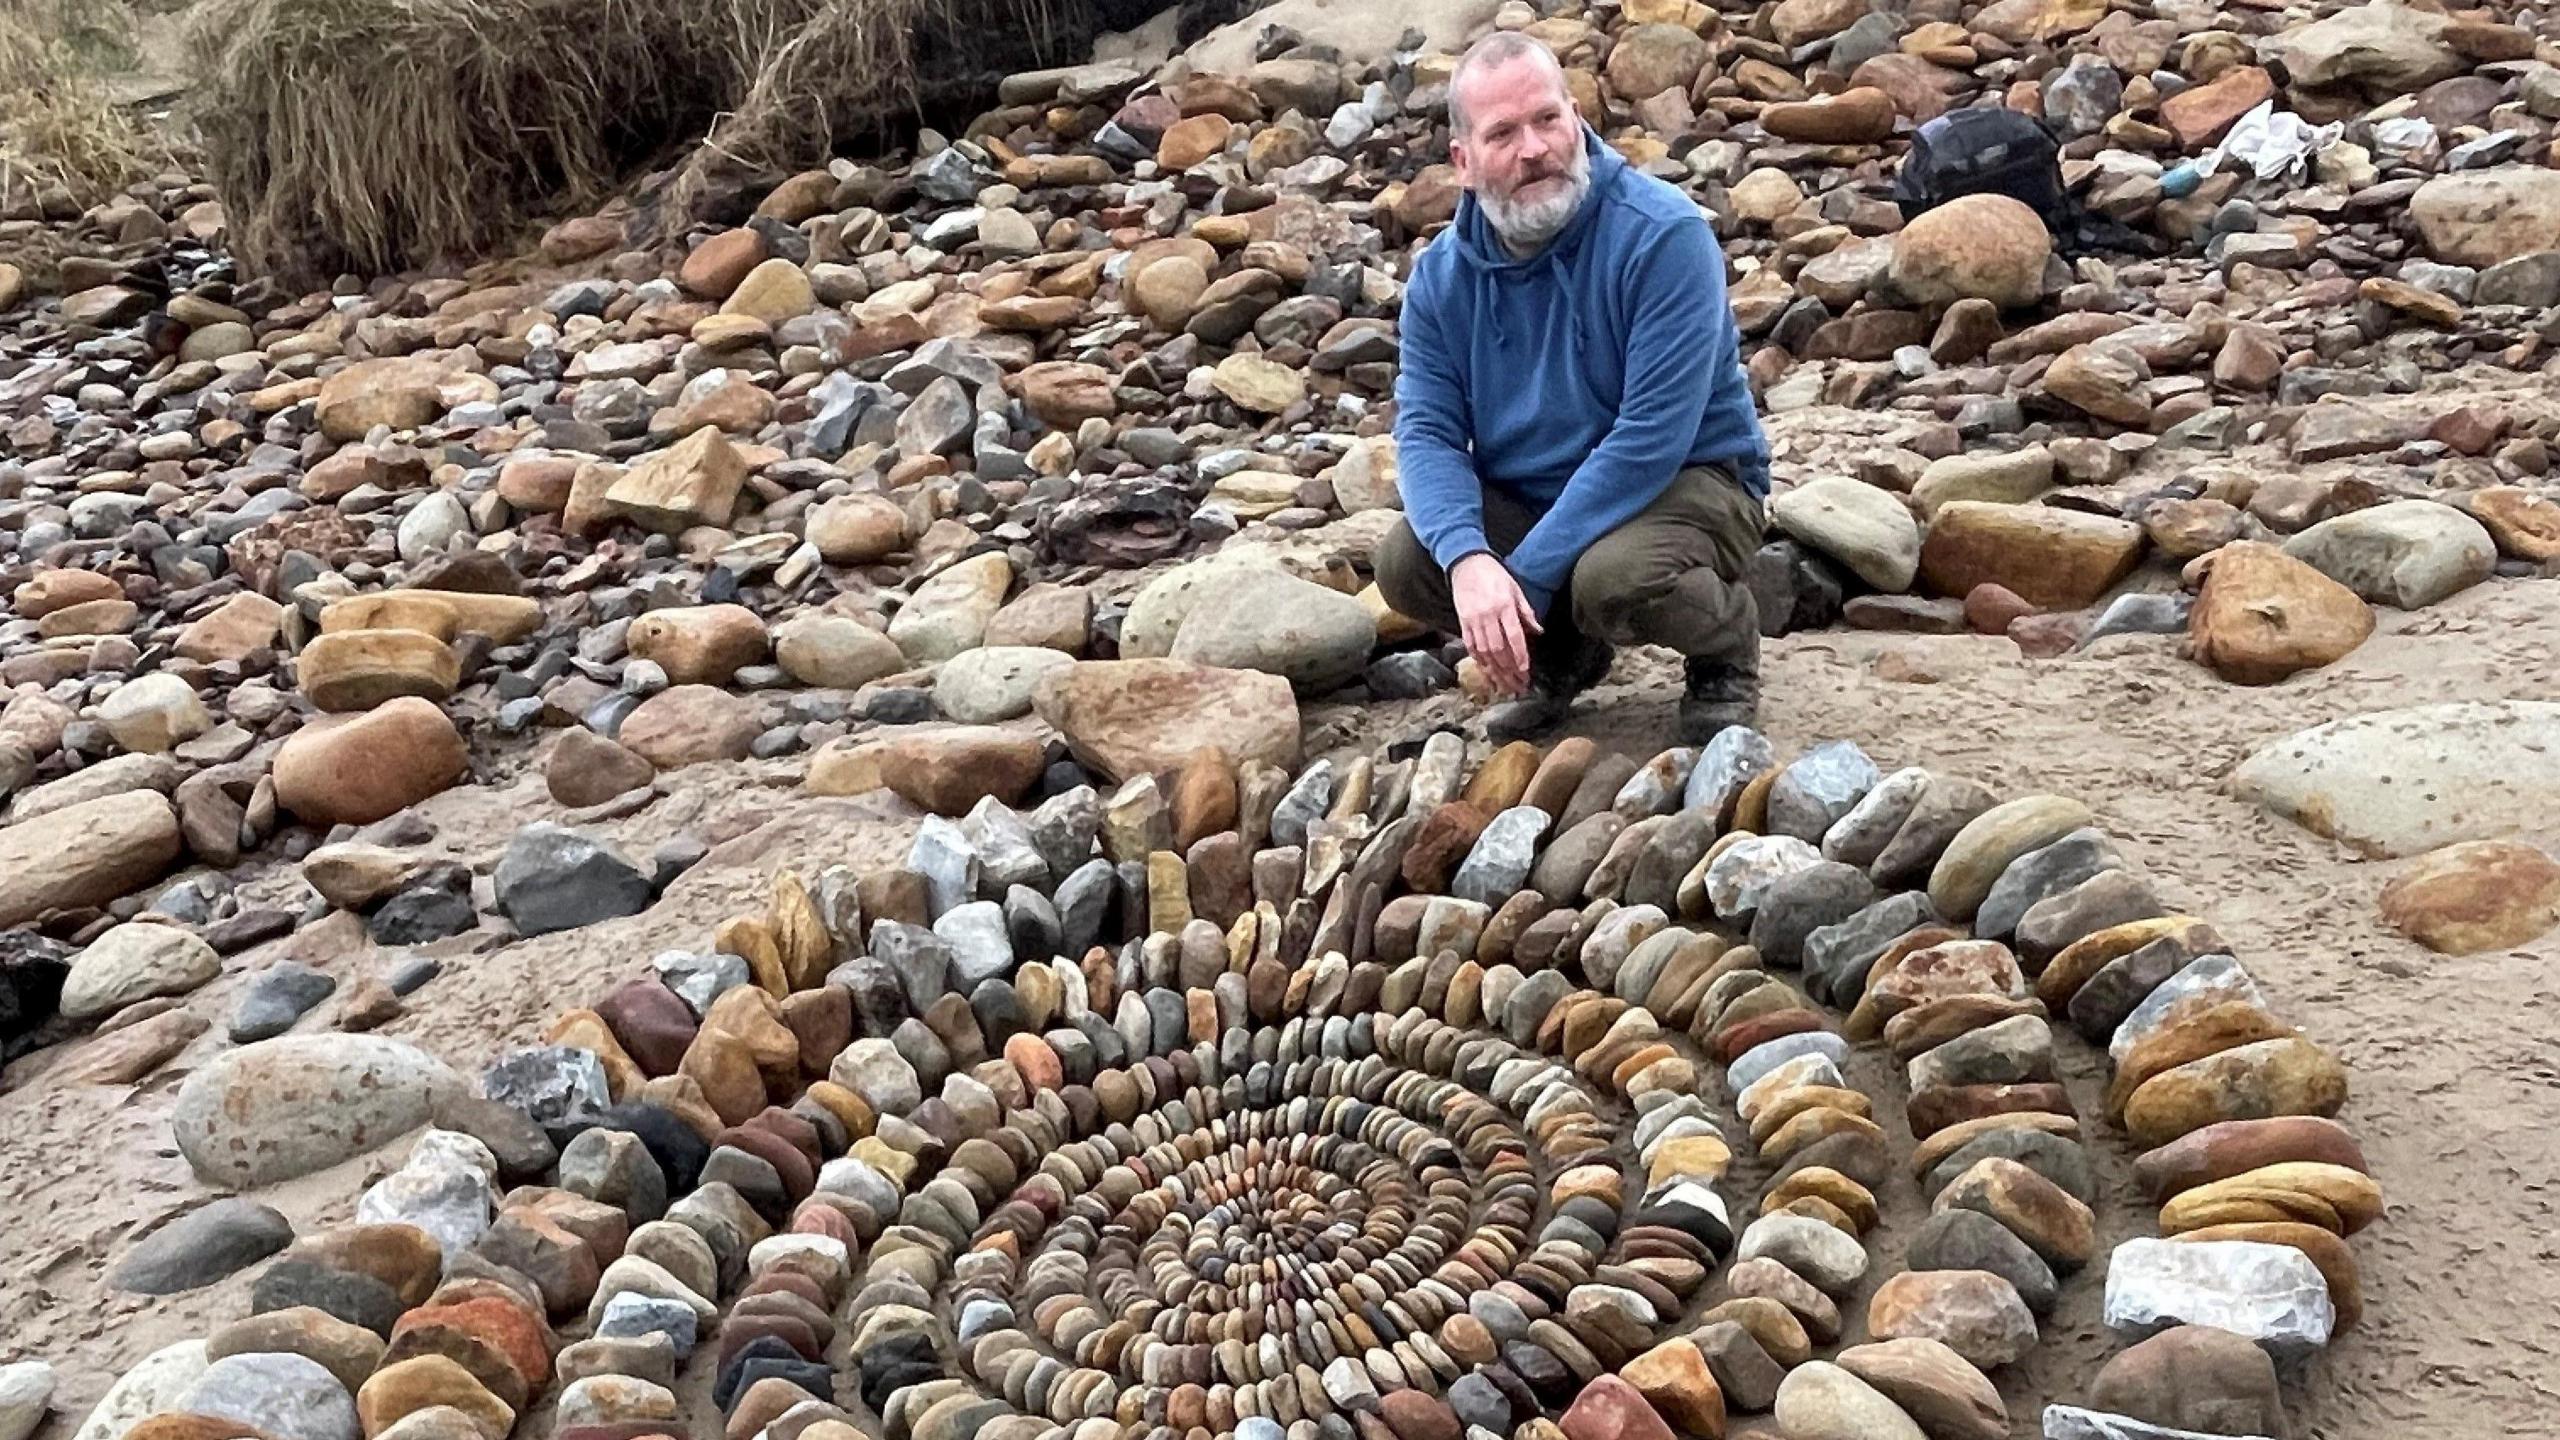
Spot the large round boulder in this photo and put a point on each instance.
(1311, 635)
(285, 1107)
(1974, 247)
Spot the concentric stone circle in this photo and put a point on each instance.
(1330, 1158)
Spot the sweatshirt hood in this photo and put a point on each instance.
(1479, 248)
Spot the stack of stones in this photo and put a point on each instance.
(1326, 1133)
(379, 647)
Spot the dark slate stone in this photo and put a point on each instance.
(879, 997)
(1032, 924)
(2103, 1002)
(1703, 1224)
(1801, 903)
(32, 969)
(1838, 956)
(2043, 872)
(2056, 1158)
(1408, 675)
(279, 995)
(679, 1150)
(1971, 1240)
(1546, 1375)
(998, 1008)
(1171, 1019)
(767, 1357)
(1480, 1404)
(208, 1243)
(919, 958)
(433, 907)
(1795, 588)
(752, 1176)
(356, 1299)
(523, 1151)
(555, 878)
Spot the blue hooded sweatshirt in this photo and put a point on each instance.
(1579, 380)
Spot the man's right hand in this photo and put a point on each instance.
(1494, 619)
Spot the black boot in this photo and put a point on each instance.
(1556, 675)
(1718, 696)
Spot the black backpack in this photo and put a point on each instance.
(1987, 150)
(1995, 150)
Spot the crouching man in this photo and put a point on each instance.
(1581, 463)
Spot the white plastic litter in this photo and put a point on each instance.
(2272, 143)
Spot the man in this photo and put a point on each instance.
(1581, 464)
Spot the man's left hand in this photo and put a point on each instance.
(1495, 619)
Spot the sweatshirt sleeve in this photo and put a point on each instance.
(1443, 500)
(1680, 337)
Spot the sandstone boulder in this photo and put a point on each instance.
(135, 962)
(360, 768)
(856, 529)
(692, 482)
(2264, 615)
(2059, 559)
(86, 854)
(1867, 529)
(2407, 554)
(2474, 896)
(835, 651)
(2483, 217)
(1983, 247)
(355, 670)
(1126, 718)
(1313, 636)
(689, 725)
(699, 644)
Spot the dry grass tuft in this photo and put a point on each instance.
(369, 135)
(61, 129)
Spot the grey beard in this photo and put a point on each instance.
(1526, 229)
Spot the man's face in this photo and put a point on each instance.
(1523, 146)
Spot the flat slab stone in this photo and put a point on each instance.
(2398, 782)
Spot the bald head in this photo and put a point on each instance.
(1502, 51)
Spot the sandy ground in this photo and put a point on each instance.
(2452, 1058)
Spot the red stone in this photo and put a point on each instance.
(785, 1283)
(822, 1019)
(1734, 1041)
(789, 1307)
(737, 1330)
(1938, 1107)
(652, 1022)
(2234, 1147)
(505, 1325)
(1611, 1409)
(792, 1129)
(560, 1265)
(1990, 608)
(799, 1177)
(816, 1217)
(1413, 1415)
(2042, 637)
(1038, 1063)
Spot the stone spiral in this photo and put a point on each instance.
(1358, 1137)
